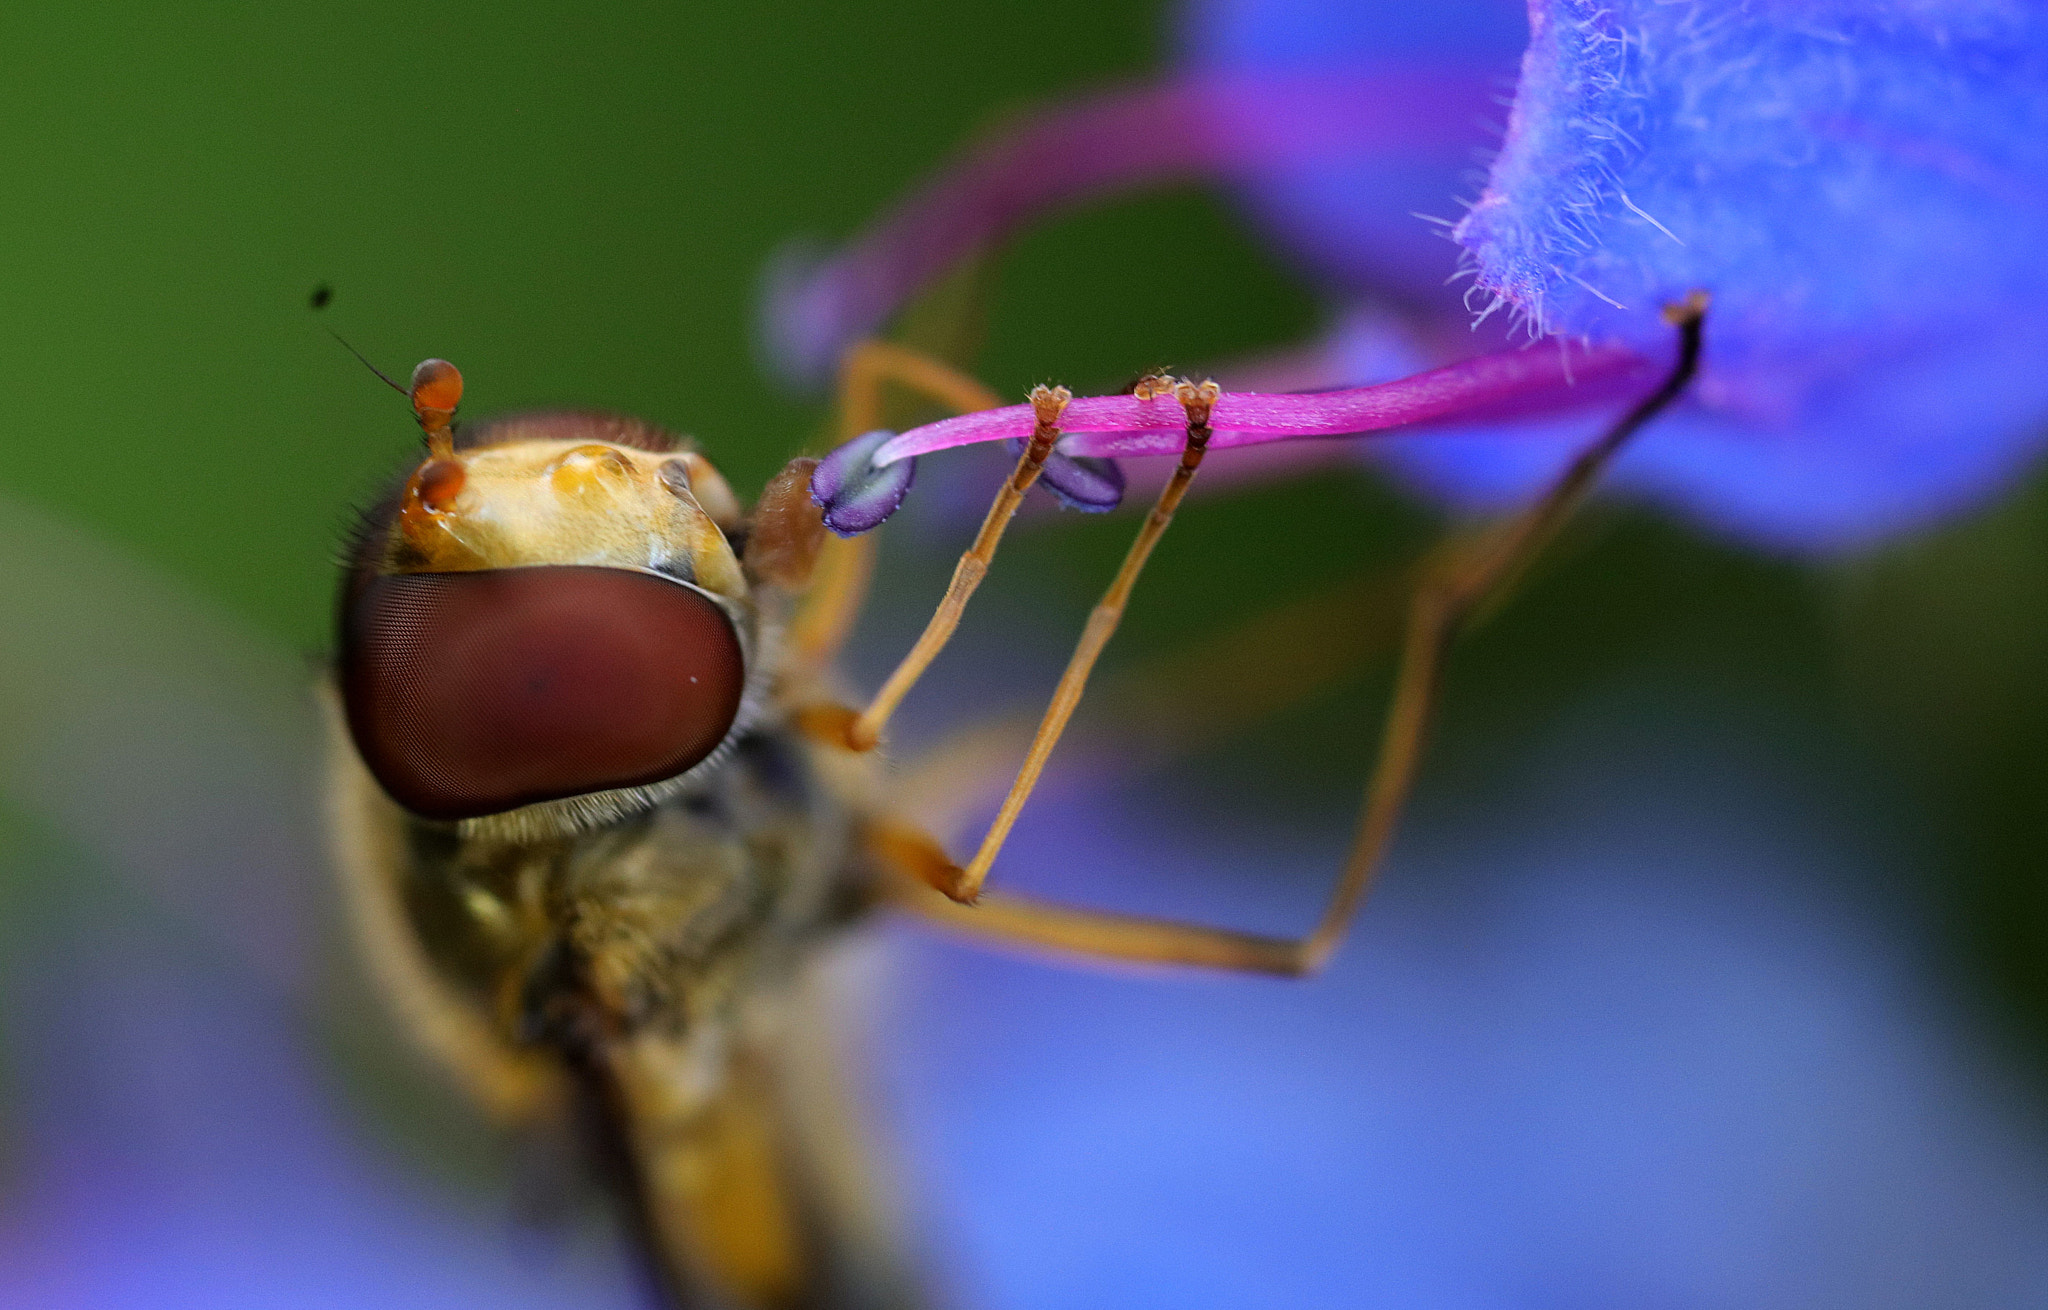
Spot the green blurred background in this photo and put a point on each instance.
(574, 203)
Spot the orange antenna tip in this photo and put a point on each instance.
(436, 391)
(436, 388)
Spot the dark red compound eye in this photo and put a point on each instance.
(475, 693)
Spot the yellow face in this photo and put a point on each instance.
(551, 625)
(531, 497)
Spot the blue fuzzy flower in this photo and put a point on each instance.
(1860, 186)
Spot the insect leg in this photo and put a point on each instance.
(846, 564)
(870, 366)
(1198, 401)
(1142, 717)
(1047, 403)
(1101, 935)
(839, 586)
(1465, 578)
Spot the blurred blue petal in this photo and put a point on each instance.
(1642, 1043)
(183, 1154)
(1350, 216)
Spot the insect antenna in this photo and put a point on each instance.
(322, 297)
(435, 393)
(363, 359)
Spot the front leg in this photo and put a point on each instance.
(1463, 578)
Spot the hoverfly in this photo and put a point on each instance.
(599, 799)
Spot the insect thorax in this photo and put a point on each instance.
(660, 923)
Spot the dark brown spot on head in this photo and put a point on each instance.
(438, 482)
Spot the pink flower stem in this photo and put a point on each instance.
(1544, 379)
(1121, 140)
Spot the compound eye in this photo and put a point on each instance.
(474, 693)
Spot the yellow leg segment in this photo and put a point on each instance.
(866, 730)
(1464, 577)
(1102, 625)
(846, 565)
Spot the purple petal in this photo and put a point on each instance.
(1514, 383)
(1116, 141)
(857, 492)
(1091, 485)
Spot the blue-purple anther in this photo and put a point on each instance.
(1092, 484)
(858, 493)
(855, 492)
